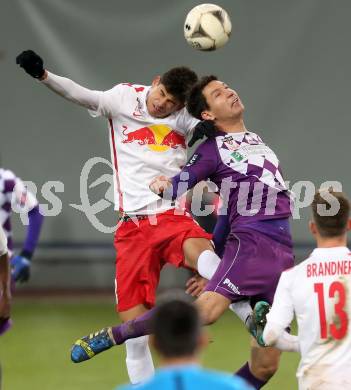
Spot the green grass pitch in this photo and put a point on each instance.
(35, 354)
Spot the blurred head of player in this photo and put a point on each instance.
(213, 100)
(177, 333)
(168, 92)
(330, 218)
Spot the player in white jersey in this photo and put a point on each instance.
(148, 126)
(318, 292)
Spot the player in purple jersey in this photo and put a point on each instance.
(258, 247)
(14, 195)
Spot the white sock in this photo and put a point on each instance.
(242, 309)
(207, 264)
(288, 343)
(139, 362)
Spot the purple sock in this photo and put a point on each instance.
(5, 325)
(245, 373)
(140, 326)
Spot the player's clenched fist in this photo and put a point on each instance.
(196, 285)
(32, 63)
(159, 184)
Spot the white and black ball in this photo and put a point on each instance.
(207, 27)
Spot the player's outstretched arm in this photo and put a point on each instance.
(26, 202)
(21, 264)
(201, 166)
(33, 64)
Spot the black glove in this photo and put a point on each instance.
(204, 128)
(31, 63)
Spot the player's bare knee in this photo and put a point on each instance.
(211, 306)
(193, 247)
(210, 317)
(207, 309)
(264, 362)
(265, 370)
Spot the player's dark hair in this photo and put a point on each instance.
(178, 81)
(196, 101)
(176, 328)
(330, 225)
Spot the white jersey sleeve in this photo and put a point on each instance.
(105, 103)
(3, 242)
(110, 102)
(282, 311)
(72, 91)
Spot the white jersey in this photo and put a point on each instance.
(142, 147)
(318, 292)
(13, 196)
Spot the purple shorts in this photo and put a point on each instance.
(251, 266)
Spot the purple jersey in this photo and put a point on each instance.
(247, 174)
(257, 204)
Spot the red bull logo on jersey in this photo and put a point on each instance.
(158, 138)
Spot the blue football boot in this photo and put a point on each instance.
(89, 346)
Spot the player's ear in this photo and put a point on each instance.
(156, 81)
(207, 115)
(348, 227)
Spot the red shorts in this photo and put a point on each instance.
(143, 250)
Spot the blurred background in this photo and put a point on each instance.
(290, 63)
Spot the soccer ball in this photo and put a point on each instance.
(207, 27)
